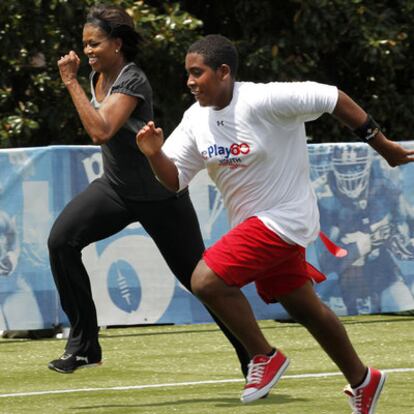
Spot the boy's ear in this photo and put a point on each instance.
(225, 71)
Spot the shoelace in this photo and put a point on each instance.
(355, 399)
(255, 373)
(358, 402)
(65, 356)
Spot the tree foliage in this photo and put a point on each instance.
(35, 108)
(365, 47)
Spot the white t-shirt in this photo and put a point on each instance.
(255, 152)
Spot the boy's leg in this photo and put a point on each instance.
(231, 306)
(306, 308)
(248, 252)
(366, 383)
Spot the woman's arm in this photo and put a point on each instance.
(103, 123)
(353, 116)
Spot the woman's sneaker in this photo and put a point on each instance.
(263, 374)
(68, 363)
(364, 398)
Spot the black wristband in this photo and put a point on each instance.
(368, 130)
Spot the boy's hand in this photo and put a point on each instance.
(393, 152)
(150, 139)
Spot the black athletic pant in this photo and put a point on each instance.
(99, 212)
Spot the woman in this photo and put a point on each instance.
(127, 192)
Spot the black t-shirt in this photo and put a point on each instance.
(125, 167)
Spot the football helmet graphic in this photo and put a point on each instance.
(320, 160)
(351, 165)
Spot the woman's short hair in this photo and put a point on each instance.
(116, 23)
(216, 51)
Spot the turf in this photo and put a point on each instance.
(174, 355)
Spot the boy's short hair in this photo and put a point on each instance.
(216, 51)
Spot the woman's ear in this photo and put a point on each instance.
(118, 44)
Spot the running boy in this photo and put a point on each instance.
(251, 138)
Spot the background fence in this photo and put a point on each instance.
(366, 207)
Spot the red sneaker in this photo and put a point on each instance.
(364, 398)
(263, 374)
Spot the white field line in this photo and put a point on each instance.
(179, 384)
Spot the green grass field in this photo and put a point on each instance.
(192, 370)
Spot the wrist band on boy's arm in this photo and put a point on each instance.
(368, 130)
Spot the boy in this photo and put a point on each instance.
(251, 138)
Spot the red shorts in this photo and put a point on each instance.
(251, 252)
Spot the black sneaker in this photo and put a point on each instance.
(68, 363)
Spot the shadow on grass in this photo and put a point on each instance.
(280, 399)
(369, 319)
(278, 325)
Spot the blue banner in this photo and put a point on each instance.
(366, 208)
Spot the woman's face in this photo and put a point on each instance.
(100, 49)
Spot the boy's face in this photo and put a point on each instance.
(210, 87)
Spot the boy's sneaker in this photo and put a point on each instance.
(68, 363)
(264, 372)
(364, 398)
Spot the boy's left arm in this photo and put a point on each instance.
(362, 124)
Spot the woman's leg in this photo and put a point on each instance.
(174, 227)
(94, 214)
